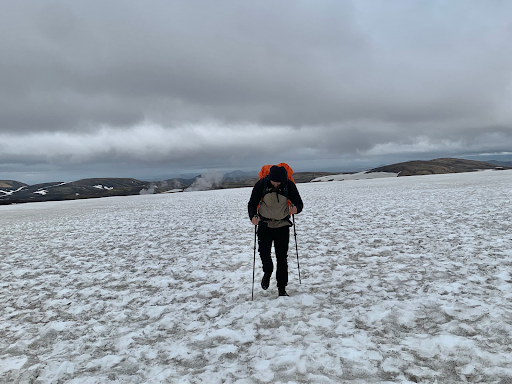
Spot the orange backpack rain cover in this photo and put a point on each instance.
(266, 169)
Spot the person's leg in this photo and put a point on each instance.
(281, 240)
(265, 249)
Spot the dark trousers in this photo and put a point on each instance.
(280, 237)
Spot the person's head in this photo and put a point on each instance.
(277, 175)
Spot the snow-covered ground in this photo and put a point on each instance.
(403, 280)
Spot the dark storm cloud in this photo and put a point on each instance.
(199, 81)
(211, 58)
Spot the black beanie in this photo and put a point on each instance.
(277, 174)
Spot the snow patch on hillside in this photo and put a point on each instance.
(99, 186)
(10, 192)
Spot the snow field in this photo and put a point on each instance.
(403, 280)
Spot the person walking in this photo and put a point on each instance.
(269, 210)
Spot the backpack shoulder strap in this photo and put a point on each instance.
(265, 186)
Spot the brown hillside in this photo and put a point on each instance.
(11, 184)
(436, 166)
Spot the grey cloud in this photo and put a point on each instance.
(289, 64)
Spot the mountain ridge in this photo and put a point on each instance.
(13, 192)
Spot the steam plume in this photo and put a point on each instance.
(206, 181)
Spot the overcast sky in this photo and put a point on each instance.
(147, 88)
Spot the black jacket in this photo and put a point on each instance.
(259, 190)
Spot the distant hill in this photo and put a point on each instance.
(501, 163)
(436, 166)
(238, 175)
(80, 189)
(14, 192)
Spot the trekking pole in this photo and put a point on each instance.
(253, 264)
(296, 248)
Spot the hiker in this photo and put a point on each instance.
(270, 210)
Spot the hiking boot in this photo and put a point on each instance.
(282, 291)
(265, 282)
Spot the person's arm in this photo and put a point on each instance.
(255, 199)
(294, 196)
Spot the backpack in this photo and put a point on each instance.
(265, 170)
